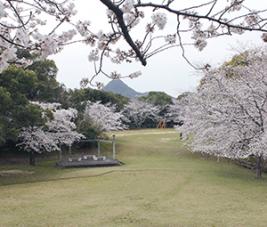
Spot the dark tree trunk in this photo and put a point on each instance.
(32, 158)
(259, 166)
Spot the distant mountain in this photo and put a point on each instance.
(119, 87)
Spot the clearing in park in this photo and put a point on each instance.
(161, 184)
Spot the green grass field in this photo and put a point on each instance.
(161, 184)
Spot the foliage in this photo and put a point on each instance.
(47, 87)
(78, 98)
(227, 116)
(238, 60)
(87, 129)
(157, 98)
(16, 87)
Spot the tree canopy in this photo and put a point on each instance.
(157, 98)
(16, 87)
(78, 98)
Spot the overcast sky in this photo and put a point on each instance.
(166, 72)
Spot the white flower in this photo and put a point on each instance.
(252, 19)
(264, 37)
(131, 19)
(110, 13)
(236, 5)
(238, 31)
(99, 85)
(7, 55)
(84, 82)
(115, 75)
(127, 6)
(22, 37)
(159, 19)
(3, 64)
(93, 56)
(135, 74)
(2, 10)
(82, 27)
(66, 36)
(171, 39)
(49, 45)
(200, 44)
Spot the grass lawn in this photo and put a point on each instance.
(161, 184)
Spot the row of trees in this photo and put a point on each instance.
(59, 128)
(38, 114)
(136, 114)
(227, 116)
(24, 26)
(18, 87)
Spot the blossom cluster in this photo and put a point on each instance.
(21, 26)
(160, 19)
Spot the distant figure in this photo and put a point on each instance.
(161, 124)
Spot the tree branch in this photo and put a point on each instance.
(119, 14)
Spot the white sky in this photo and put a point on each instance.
(166, 72)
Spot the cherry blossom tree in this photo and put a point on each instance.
(44, 27)
(62, 128)
(58, 131)
(175, 112)
(35, 139)
(139, 113)
(227, 116)
(103, 117)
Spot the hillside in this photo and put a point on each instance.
(119, 87)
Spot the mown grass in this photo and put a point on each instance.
(161, 184)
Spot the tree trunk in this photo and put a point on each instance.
(32, 158)
(258, 166)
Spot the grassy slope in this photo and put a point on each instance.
(160, 185)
